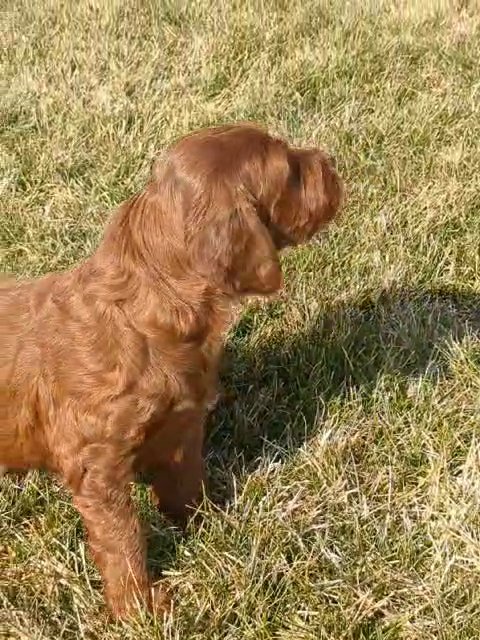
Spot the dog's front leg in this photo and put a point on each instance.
(173, 460)
(101, 493)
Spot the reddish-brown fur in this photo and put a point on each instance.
(110, 368)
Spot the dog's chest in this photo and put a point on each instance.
(181, 379)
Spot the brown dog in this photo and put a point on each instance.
(110, 368)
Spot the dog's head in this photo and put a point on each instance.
(240, 196)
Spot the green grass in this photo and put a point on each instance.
(344, 461)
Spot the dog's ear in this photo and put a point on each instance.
(233, 248)
(323, 190)
(313, 196)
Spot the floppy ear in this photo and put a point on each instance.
(312, 198)
(235, 251)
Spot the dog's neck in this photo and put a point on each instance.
(156, 289)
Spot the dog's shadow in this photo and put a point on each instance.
(274, 397)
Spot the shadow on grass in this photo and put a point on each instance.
(274, 398)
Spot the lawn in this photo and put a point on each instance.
(344, 459)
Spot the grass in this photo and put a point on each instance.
(345, 459)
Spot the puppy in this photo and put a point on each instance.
(110, 369)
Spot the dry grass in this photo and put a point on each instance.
(345, 462)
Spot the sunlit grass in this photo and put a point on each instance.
(344, 461)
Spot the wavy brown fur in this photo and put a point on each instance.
(110, 368)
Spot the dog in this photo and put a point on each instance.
(109, 370)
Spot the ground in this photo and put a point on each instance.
(344, 461)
